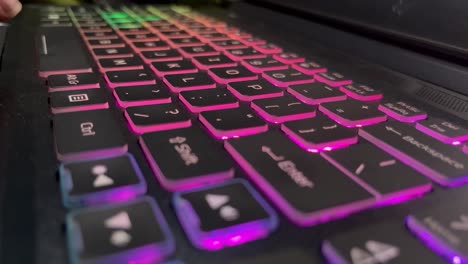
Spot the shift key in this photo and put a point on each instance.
(87, 135)
(442, 163)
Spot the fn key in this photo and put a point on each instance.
(89, 134)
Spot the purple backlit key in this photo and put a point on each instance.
(231, 74)
(120, 64)
(319, 134)
(285, 78)
(402, 111)
(87, 135)
(303, 186)
(443, 130)
(316, 93)
(441, 162)
(189, 82)
(236, 122)
(129, 78)
(333, 79)
(224, 215)
(205, 50)
(208, 100)
(353, 113)
(387, 178)
(443, 229)
(289, 58)
(252, 90)
(361, 92)
(244, 53)
(465, 148)
(119, 233)
(186, 158)
(386, 242)
(264, 64)
(101, 181)
(75, 101)
(282, 109)
(152, 118)
(127, 96)
(173, 67)
(161, 55)
(309, 67)
(72, 82)
(216, 61)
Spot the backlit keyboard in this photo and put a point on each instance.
(237, 130)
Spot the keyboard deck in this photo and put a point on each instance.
(239, 133)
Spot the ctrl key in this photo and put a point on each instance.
(224, 215)
(133, 232)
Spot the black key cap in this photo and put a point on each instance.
(119, 233)
(231, 74)
(353, 113)
(285, 78)
(443, 229)
(289, 58)
(175, 34)
(260, 65)
(128, 96)
(120, 64)
(333, 79)
(214, 61)
(88, 134)
(173, 67)
(146, 37)
(233, 122)
(316, 93)
(205, 50)
(132, 31)
(252, 90)
(282, 109)
(187, 42)
(208, 100)
(214, 36)
(151, 118)
(438, 161)
(189, 82)
(379, 173)
(228, 44)
(129, 78)
(443, 130)
(106, 43)
(101, 181)
(245, 53)
(100, 35)
(268, 48)
(55, 45)
(184, 158)
(402, 111)
(303, 186)
(226, 213)
(96, 29)
(309, 67)
(75, 101)
(387, 243)
(108, 53)
(151, 45)
(71, 82)
(162, 55)
(361, 92)
(319, 133)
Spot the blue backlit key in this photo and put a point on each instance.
(101, 181)
(224, 215)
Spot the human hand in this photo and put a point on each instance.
(9, 9)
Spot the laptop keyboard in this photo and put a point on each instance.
(209, 102)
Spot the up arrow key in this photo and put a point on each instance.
(102, 181)
(215, 201)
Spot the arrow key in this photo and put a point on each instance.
(119, 234)
(100, 181)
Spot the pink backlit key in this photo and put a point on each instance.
(244, 53)
(402, 111)
(309, 67)
(268, 48)
(214, 36)
(263, 64)
(189, 82)
(443, 130)
(333, 79)
(161, 55)
(173, 67)
(75, 101)
(71, 82)
(214, 61)
(106, 43)
(205, 50)
(186, 42)
(120, 64)
(127, 96)
(143, 37)
(151, 118)
(351, 113)
(282, 109)
(175, 34)
(129, 78)
(112, 53)
(228, 44)
(289, 58)
(361, 92)
(256, 89)
(231, 123)
(208, 100)
(151, 45)
(133, 31)
(319, 134)
(253, 41)
(316, 93)
(100, 35)
(231, 74)
(285, 78)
